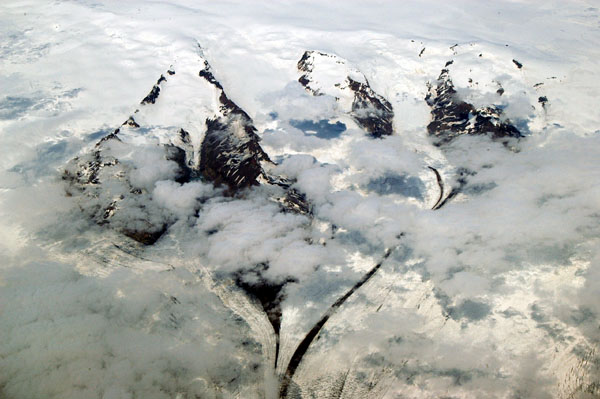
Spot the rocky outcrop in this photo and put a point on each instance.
(153, 95)
(371, 111)
(329, 74)
(229, 155)
(230, 152)
(452, 117)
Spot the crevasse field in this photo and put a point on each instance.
(410, 209)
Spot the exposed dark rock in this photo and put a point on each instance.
(303, 62)
(183, 141)
(293, 200)
(452, 117)
(208, 75)
(304, 82)
(108, 196)
(230, 153)
(422, 51)
(184, 136)
(296, 201)
(98, 180)
(372, 112)
(145, 237)
(517, 63)
(112, 136)
(153, 95)
(305, 65)
(177, 155)
(84, 171)
(543, 100)
(131, 122)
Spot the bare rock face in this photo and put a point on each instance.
(370, 110)
(153, 95)
(295, 201)
(229, 155)
(329, 74)
(230, 152)
(452, 117)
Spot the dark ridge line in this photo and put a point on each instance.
(517, 63)
(451, 195)
(154, 93)
(440, 185)
(276, 351)
(452, 117)
(462, 182)
(311, 335)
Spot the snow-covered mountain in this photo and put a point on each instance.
(329, 74)
(174, 141)
(302, 207)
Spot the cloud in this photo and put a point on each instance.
(181, 199)
(69, 335)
